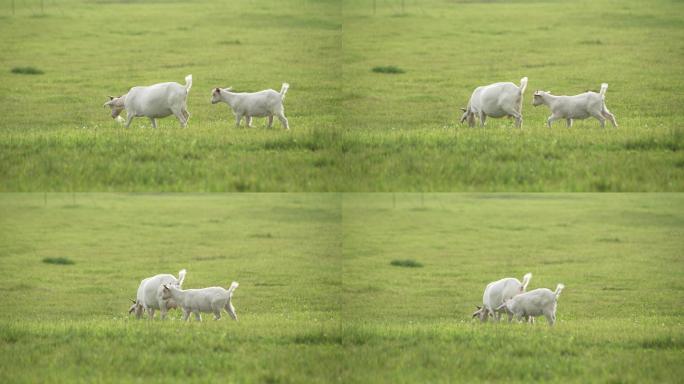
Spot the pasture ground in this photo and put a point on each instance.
(320, 301)
(352, 129)
(69, 323)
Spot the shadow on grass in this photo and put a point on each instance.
(57, 260)
(391, 69)
(408, 263)
(27, 71)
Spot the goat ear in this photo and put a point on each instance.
(111, 97)
(463, 109)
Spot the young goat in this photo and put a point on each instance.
(266, 103)
(534, 303)
(155, 101)
(496, 293)
(588, 104)
(495, 100)
(149, 295)
(208, 300)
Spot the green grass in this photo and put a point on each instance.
(319, 300)
(57, 260)
(406, 263)
(352, 129)
(27, 71)
(70, 324)
(619, 317)
(388, 69)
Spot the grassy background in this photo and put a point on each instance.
(69, 323)
(352, 129)
(319, 300)
(619, 317)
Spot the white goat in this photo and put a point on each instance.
(208, 300)
(258, 104)
(149, 295)
(155, 101)
(495, 100)
(538, 302)
(576, 107)
(497, 292)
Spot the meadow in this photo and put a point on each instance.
(619, 318)
(320, 299)
(353, 128)
(69, 323)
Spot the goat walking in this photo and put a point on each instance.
(267, 103)
(582, 106)
(155, 101)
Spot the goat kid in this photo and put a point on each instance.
(267, 103)
(582, 106)
(207, 300)
(538, 302)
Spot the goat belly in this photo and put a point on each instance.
(259, 112)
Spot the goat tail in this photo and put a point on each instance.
(188, 82)
(604, 88)
(526, 280)
(181, 277)
(283, 90)
(523, 84)
(233, 287)
(559, 288)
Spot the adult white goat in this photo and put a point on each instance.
(155, 101)
(587, 104)
(495, 100)
(538, 302)
(149, 296)
(266, 103)
(497, 292)
(208, 300)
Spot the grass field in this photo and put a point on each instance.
(619, 317)
(69, 323)
(319, 299)
(353, 129)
